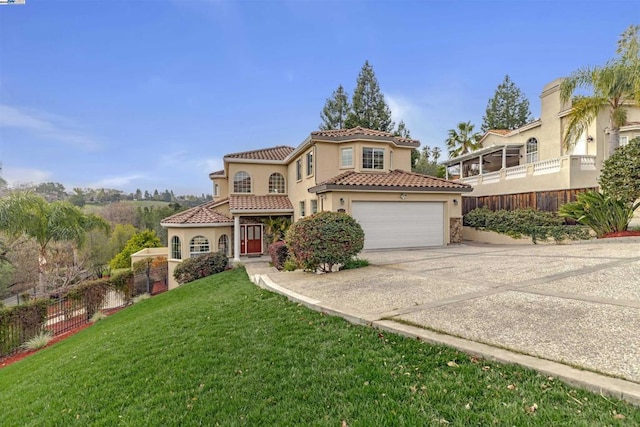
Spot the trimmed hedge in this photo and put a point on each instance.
(21, 323)
(324, 240)
(202, 266)
(539, 225)
(279, 253)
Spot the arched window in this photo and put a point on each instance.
(276, 183)
(532, 150)
(176, 249)
(199, 245)
(242, 182)
(223, 244)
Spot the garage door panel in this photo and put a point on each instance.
(400, 224)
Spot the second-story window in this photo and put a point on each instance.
(299, 169)
(346, 157)
(373, 158)
(216, 190)
(241, 182)
(310, 163)
(276, 183)
(532, 150)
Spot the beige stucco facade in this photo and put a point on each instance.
(249, 189)
(507, 164)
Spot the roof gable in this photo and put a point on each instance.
(201, 214)
(348, 134)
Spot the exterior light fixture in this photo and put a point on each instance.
(403, 196)
(589, 138)
(455, 202)
(341, 201)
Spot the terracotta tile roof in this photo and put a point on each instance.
(342, 133)
(274, 153)
(260, 203)
(220, 172)
(201, 214)
(394, 180)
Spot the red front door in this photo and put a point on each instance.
(251, 239)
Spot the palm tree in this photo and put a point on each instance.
(462, 140)
(31, 215)
(435, 153)
(614, 87)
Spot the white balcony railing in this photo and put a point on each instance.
(546, 166)
(543, 167)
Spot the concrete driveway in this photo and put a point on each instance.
(577, 304)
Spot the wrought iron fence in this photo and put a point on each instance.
(63, 314)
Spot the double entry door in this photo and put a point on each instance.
(250, 239)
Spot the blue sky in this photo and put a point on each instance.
(151, 94)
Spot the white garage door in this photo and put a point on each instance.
(400, 224)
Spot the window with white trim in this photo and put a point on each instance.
(276, 183)
(199, 245)
(314, 206)
(532, 150)
(302, 208)
(310, 163)
(216, 190)
(176, 248)
(223, 244)
(624, 140)
(346, 157)
(373, 158)
(299, 169)
(242, 182)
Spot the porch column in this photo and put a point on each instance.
(461, 174)
(236, 238)
(480, 164)
(504, 157)
(446, 172)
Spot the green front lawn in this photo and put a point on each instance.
(220, 351)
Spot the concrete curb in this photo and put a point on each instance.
(598, 383)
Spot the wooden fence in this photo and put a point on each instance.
(548, 201)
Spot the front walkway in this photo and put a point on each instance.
(575, 304)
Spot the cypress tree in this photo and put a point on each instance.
(334, 113)
(368, 106)
(508, 109)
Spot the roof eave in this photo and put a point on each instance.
(204, 224)
(260, 211)
(255, 161)
(370, 138)
(324, 188)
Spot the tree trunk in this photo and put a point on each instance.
(614, 139)
(42, 262)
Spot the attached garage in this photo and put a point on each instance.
(390, 225)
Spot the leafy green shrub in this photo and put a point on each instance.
(290, 265)
(620, 176)
(38, 341)
(201, 266)
(324, 240)
(91, 295)
(20, 323)
(355, 263)
(279, 253)
(539, 225)
(144, 239)
(602, 213)
(122, 281)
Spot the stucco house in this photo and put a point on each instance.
(365, 173)
(529, 167)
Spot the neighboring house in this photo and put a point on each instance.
(362, 172)
(528, 166)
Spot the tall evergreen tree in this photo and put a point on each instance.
(508, 109)
(334, 113)
(402, 130)
(368, 106)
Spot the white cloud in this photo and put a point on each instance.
(117, 181)
(17, 176)
(46, 125)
